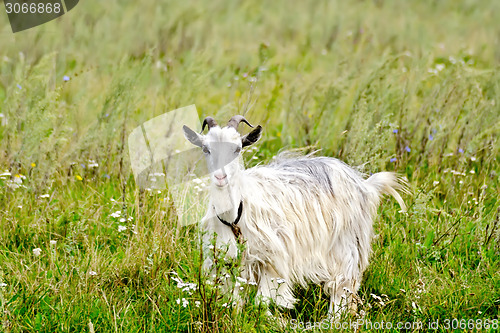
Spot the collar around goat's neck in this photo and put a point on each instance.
(234, 228)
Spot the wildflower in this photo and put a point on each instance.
(37, 251)
(185, 302)
(440, 67)
(224, 305)
(460, 150)
(280, 280)
(19, 86)
(436, 182)
(33, 165)
(20, 207)
(121, 228)
(116, 214)
(3, 284)
(78, 177)
(472, 171)
(45, 196)
(122, 219)
(197, 303)
(455, 172)
(53, 242)
(473, 158)
(112, 200)
(92, 273)
(65, 78)
(395, 131)
(182, 285)
(93, 165)
(408, 149)
(392, 160)
(241, 280)
(431, 137)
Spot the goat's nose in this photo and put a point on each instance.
(220, 177)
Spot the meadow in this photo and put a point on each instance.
(384, 85)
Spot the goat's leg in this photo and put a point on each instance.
(272, 287)
(342, 299)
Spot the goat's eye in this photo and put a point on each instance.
(237, 151)
(205, 150)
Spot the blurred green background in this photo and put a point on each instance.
(409, 86)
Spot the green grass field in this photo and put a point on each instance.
(406, 86)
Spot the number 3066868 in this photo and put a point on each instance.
(25, 8)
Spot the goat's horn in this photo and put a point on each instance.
(236, 120)
(208, 121)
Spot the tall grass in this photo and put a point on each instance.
(384, 85)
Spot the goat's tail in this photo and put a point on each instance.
(390, 183)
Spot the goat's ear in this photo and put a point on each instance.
(251, 137)
(192, 136)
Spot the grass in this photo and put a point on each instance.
(386, 85)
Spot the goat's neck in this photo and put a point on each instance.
(226, 201)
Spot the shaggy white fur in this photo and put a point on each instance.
(304, 219)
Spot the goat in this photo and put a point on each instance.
(303, 219)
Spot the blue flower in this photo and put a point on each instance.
(395, 131)
(460, 150)
(407, 149)
(393, 160)
(19, 86)
(431, 137)
(65, 78)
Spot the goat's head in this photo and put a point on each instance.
(222, 147)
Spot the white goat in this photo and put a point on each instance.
(302, 218)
